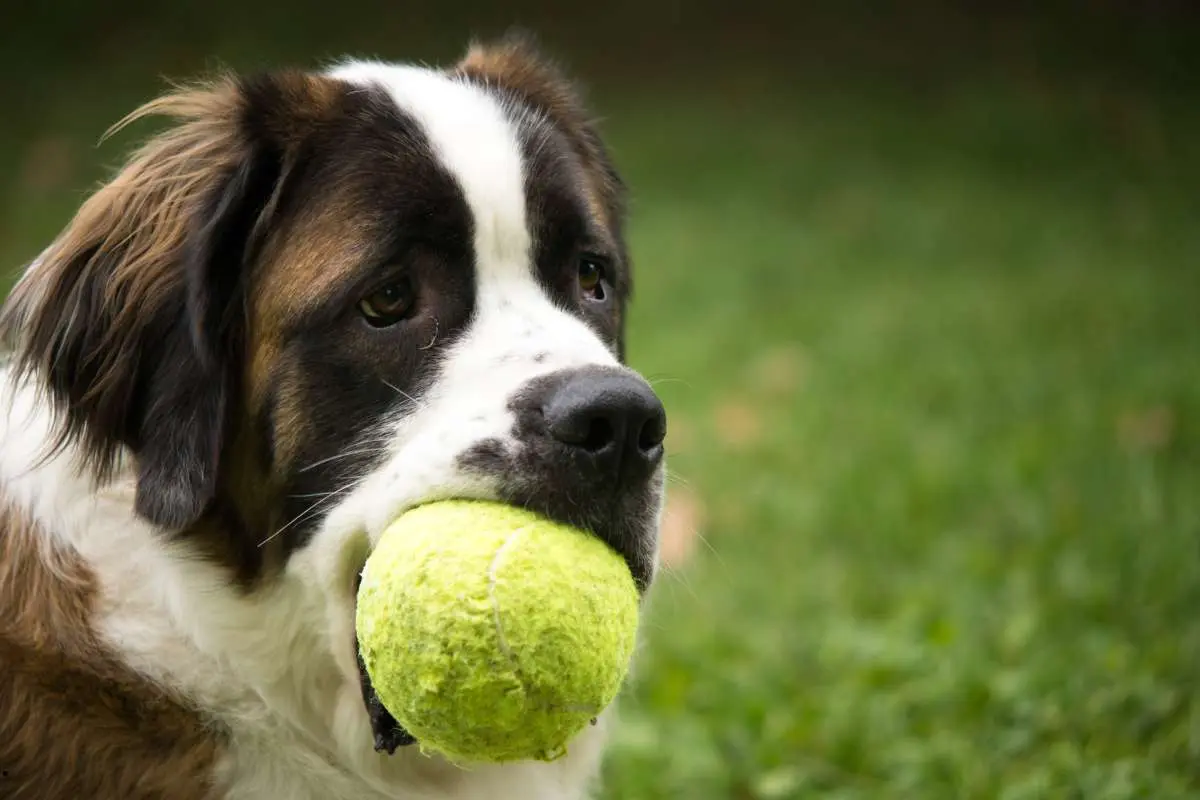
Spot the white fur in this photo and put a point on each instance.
(277, 668)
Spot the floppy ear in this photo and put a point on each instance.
(132, 319)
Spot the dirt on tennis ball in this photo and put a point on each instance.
(491, 633)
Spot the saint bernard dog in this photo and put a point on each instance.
(309, 301)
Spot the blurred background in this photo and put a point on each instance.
(920, 286)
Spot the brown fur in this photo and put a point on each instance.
(295, 274)
(106, 289)
(133, 227)
(73, 721)
(516, 64)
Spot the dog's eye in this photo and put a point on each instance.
(591, 277)
(388, 304)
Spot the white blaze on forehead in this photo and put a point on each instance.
(476, 142)
(517, 333)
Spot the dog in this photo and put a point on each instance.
(312, 300)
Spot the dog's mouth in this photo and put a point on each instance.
(389, 735)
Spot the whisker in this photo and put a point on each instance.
(675, 479)
(380, 437)
(404, 394)
(678, 578)
(669, 379)
(344, 454)
(704, 540)
(306, 512)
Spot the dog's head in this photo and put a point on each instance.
(318, 299)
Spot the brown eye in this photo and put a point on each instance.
(388, 304)
(591, 277)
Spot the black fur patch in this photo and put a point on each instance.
(352, 378)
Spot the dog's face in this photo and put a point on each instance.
(321, 299)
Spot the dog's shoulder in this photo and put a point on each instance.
(73, 719)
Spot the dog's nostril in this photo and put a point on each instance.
(653, 432)
(599, 435)
(611, 415)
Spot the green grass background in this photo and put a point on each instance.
(920, 288)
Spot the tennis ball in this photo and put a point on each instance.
(491, 633)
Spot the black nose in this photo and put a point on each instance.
(613, 417)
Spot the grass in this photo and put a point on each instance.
(933, 369)
(960, 557)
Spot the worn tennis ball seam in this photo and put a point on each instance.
(493, 579)
(493, 568)
(434, 576)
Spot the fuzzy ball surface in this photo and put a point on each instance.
(493, 634)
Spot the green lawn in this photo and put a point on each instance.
(933, 370)
(960, 556)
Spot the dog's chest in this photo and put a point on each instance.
(286, 768)
(262, 670)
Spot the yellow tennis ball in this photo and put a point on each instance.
(493, 634)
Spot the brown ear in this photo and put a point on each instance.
(132, 318)
(516, 65)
